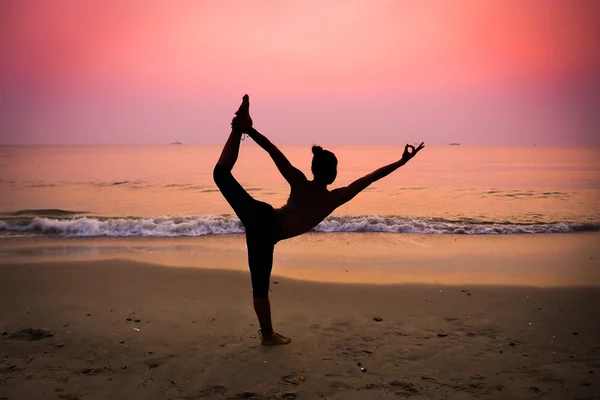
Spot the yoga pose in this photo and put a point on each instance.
(309, 203)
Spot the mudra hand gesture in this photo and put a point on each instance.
(407, 155)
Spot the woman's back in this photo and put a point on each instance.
(309, 204)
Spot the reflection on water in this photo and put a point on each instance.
(452, 182)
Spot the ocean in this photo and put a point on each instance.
(168, 191)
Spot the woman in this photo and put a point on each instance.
(309, 203)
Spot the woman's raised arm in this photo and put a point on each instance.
(290, 173)
(345, 194)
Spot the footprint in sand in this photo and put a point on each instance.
(247, 395)
(68, 396)
(96, 371)
(155, 362)
(31, 334)
(217, 389)
(287, 396)
(405, 388)
(339, 384)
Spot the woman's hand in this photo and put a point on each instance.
(241, 125)
(407, 155)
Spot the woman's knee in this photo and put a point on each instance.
(260, 281)
(260, 263)
(260, 292)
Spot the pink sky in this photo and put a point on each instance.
(336, 71)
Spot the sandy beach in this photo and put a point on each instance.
(428, 170)
(130, 329)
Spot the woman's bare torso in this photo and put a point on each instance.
(307, 206)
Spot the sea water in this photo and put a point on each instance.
(168, 191)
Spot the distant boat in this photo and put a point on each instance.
(177, 142)
(454, 144)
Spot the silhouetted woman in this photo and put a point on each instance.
(309, 203)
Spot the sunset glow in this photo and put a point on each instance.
(139, 72)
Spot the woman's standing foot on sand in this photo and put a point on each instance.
(273, 338)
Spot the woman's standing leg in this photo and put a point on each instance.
(260, 260)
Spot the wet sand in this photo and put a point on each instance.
(193, 334)
(544, 260)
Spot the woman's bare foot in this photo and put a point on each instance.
(273, 339)
(243, 113)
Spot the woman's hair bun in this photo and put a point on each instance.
(317, 150)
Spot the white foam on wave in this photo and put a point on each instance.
(159, 226)
(222, 225)
(375, 223)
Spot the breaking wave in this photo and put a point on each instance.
(168, 226)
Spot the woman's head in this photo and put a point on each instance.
(324, 165)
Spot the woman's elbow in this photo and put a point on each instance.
(220, 173)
